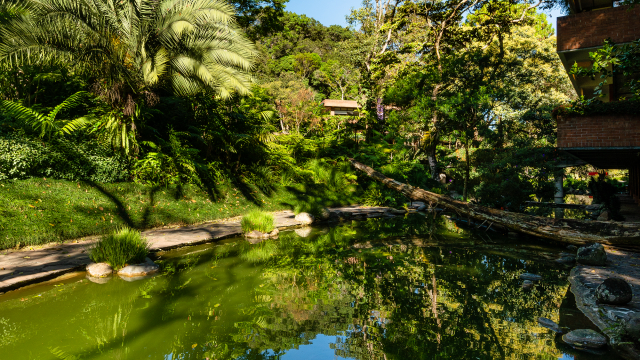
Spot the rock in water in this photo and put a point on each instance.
(325, 214)
(99, 270)
(568, 260)
(305, 218)
(549, 324)
(632, 326)
(614, 291)
(303, 232)
(527, 284)
(531, 277)
(604, 216)
(592, 255)
(585, 338)
(144, 269)
(572, 248)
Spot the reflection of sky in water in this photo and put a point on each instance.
(319, 349)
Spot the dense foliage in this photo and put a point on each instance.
(219, 94)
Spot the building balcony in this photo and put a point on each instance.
(604, 141)
(589, 29)
(585, 31)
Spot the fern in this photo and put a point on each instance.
(48, 125)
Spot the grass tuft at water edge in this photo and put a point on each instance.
(258, 220)
(124, 246)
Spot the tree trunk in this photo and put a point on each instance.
(570, 231)
(433, 163)
(466, 172)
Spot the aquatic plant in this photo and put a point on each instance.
(124, 246)
(258, 220)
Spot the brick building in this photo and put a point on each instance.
(607, 141)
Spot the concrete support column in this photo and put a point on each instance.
(559, 196)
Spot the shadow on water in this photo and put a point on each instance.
(414, 288)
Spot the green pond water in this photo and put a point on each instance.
(414, 288)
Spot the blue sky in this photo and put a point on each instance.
(333, 12)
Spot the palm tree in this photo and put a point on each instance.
(132, 48)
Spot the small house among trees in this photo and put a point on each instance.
(341, 107)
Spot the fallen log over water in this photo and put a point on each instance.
(570, 231)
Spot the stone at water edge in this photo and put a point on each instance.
(531, 277)
(99, 270)
(632, 326)
(144, 269)
(422, 208)
(305, 218)
(274, 233)
(614, 291)
(585, 338)
(255, 234)
(572, 248)
(604, 216)
(325, 214)
(99, 280)
(568, 260)
(398, 211)
(303, 232)
(527, 284)
(592, 255)
(550, 324)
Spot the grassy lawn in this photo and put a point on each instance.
(40, 211)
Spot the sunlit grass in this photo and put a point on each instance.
(40, 211)
(258, 220)
(123, 247)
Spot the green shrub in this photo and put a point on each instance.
(258, 220)
(76, 157)
(125, 246)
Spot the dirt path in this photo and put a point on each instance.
(19, 268)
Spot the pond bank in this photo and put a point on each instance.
(20, 268)
(585, 279)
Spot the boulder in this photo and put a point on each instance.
(566, 260)
(255, 234)
(97, 280)
(530, 277)
(99, 270)
(550, 324)
(604, 216)
(572, 248)
(592, 255)
(324, 214)
(303, 232)
(274, 233)
(614, 291)
(632, 326)
(144, 269)
(305, 218)
(527, 284)
(585, 338)
(422, 208)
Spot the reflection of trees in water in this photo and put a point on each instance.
(455, 298)
(383, 301)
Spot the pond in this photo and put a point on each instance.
(405, 288)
